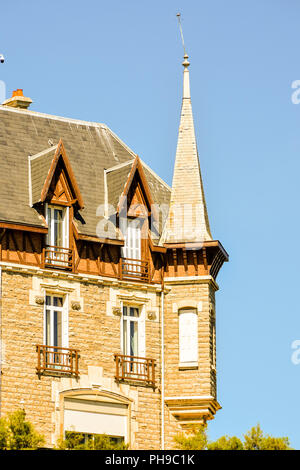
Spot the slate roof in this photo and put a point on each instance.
(38, 170)
(91, 148)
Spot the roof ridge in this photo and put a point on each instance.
(53, 116)
(118, 166)
(120, 141)
(155, 174)
(43, 152)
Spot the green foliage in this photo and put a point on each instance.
(73, 441)
(226, 443)
(3, 434)
(195, 440)
(256, 440)
(253, 440)
(16, 433)
(103, 442)
(77, 441)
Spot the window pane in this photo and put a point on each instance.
(57, 301)
(125, 337)
(134, 312)
(133, 338)
(48, 300)
(57, 328)
(47, 333)
(58, 227)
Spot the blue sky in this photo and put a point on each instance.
(120, 63)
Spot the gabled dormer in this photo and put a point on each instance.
(54, 193)
(133, 207)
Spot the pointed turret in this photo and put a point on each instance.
(187, 220)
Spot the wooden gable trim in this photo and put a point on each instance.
(136, 167)
(64, 190)
(158, 249)
(90, 238)
(61, 152)
(27, 228)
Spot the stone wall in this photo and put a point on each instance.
(94, 329)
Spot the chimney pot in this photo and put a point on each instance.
(18, 100)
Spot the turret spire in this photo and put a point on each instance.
(187, 219)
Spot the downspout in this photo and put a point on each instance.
(0, 337)
(162, 365)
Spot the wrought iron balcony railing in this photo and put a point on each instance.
(134, 269)
(137, 369)
(59, 360)
(58, 257)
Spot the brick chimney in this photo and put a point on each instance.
(18, 100)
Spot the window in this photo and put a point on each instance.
(131, 317)
(57, 252)
(188, 337)
(133, 363)
(54, 321)
(89, 413)
(134, 264)
(58, 233)
(132, 235)
(56, 357)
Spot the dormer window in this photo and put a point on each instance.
(57, 252)
(57, 220)
(133, 264)
(132, 240)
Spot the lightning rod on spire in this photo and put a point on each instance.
(181, 33)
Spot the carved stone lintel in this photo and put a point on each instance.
(151, 315)
(39, 299)
(75, 305)
(117, 311)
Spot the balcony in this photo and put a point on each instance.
(136, 369)
(58, 257)
(134, 269)
(52, 359)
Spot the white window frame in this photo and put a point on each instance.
(65, 225)
(131, 228)
(64, 320)
(141, 328)
(188, 337)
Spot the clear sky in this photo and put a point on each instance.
(119, 62)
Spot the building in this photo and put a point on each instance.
(108, 281)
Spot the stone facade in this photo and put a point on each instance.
(94, 329)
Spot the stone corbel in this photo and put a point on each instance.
(39, 300)
(151, 315)
(75, 305)
(117, 311)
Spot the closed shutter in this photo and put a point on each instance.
(188, 336)
(93, 417)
